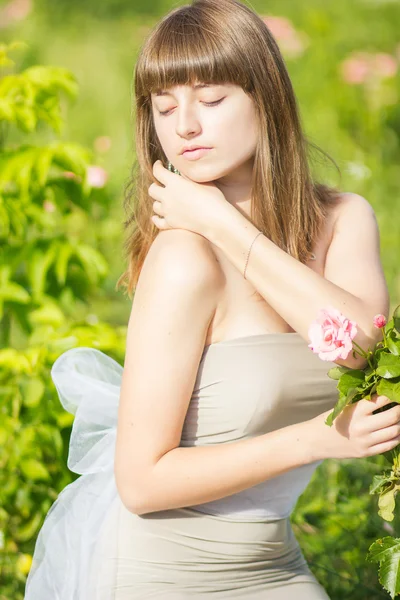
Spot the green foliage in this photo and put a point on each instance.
(49, 263)
(387, 486)
(336, 521)
(386, 551)
(381, 375)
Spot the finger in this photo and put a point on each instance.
(155, 191)
(160, 222)
(160, 172)
(157, 208)
(384, 435)
(375, 402)
(385, 418)
(385, 447)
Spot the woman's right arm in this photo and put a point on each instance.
(188, 476)
(175, 300)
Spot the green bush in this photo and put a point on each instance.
(49, 267)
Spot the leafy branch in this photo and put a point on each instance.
(380, 376)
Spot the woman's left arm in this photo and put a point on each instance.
(353, 281)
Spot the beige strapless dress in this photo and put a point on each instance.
(241, 546)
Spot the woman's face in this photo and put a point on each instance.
(220, 117)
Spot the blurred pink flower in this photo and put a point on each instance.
(384, 64)
(379, 321)
(97, 176)
(14, 11)
(331, 334)
(102, 143)
(290, 41)
(48, 206)
(280, 27)
(355, 69)
(71, 175)
(363, 66)
(397, 52)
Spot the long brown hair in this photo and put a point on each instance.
(224, 41)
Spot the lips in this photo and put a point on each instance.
(195, 154)
(196, 148)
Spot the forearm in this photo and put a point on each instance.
(188, 476)
(295, 291)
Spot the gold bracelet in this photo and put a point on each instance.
(244, 272)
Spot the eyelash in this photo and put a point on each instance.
(165, 112)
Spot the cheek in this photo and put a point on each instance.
(164, 136)
(238, 134)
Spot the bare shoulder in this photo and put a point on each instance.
(355, 227)
(350, 206)
(185, 256)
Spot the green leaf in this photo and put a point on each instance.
(42, 165)
(53, 79)
(396, 318)
(389, 326)
(47, 313)
(33, 469)
(38, 267)
(393, 343)
(14, 293)
(61, 267)
(340, 405)
(26, 118)
(386, 551)
(32, 391)
(65, 420)
(387, 502)
(352, 379)
(27, 531)
(392, 456)
(379, 482)
(337, 372)
(388, 366)
(71, 157)
(389, 388)
(92, 261)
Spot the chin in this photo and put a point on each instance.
(206, 174)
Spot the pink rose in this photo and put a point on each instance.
(379, 321)
(331, 334)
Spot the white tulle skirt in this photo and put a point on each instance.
(88, 383)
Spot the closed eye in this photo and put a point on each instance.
(165, 112)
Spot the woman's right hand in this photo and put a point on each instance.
(357, 432)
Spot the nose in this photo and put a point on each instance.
(187, 122)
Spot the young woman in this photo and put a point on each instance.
(194, 455)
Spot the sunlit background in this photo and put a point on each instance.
(60, 260)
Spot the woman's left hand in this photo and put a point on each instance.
(185, 204)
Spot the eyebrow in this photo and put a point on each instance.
(195, 87)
